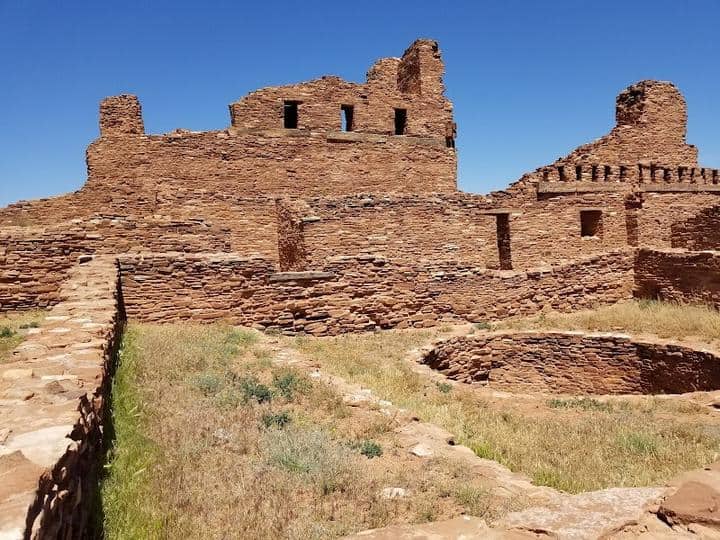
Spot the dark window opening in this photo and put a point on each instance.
(400, 121)
(290, 114)
(561, 173)
(346, 117)
(591, 223)
(450, 142)
(578, 173)
(502, 223)
(608, 172)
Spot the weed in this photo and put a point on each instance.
(369, 449)
(252, 389)
(289, 382)
(6, 332)
(208, 383)
(443, 387)
(31, 324)
(312, 453)
(482, 325)
(279, 420)
(475, 500)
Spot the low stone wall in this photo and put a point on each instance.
(575, 363)
(678, 276)
(354, 294)
(52, 409)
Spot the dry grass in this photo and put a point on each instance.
(214, 441)
(574, 446)
(664, 319)
(13, 327)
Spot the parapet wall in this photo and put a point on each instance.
(354, 294)
(576, 363)
(53, 396)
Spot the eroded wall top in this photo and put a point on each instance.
(397, 135)
(651, 125)
(412, 83)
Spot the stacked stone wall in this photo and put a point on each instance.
(576, 363)
(362, 293)
(678, 276)
(34, 261)
(458, 227)
(53, 410)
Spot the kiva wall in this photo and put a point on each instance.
(575, 363)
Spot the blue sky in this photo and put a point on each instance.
(530, 79)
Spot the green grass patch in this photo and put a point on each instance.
(127, 494)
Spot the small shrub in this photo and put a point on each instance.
(208, 383)
(443, 387)
(252, 389)
(585, 403)
(482, 325)
(242, 338)
(6, 332)
(370, 449)
(237, 340)
(288, 383)
(279, 420)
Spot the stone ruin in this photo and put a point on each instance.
(329, 207)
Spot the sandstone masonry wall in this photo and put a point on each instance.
(458, 227)
(575, 363)
(678, 276)
(699, 232)
(52, 409)
(361, 293)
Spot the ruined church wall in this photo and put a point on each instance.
(357, 293)
(401, 228)
(34, 261)
(651, 125)
(698, 232)
(413, 82)
(288, 162)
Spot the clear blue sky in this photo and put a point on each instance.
(530, 79)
